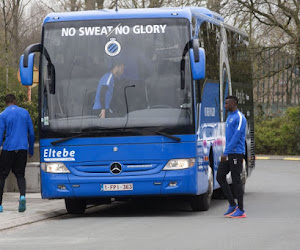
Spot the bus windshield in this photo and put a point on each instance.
(144, 92)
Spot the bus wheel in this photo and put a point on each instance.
(74, 206)
(202, 202)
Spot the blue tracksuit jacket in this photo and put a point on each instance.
(17, 125)
(106, 80)
(235, 133)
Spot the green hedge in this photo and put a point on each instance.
(280, 135)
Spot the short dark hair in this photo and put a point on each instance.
(232, 97)
(10, 98)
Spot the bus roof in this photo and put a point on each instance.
(185, 12)
(176, 12)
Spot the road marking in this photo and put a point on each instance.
(291, 159)
(262, 158)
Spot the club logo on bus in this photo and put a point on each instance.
(113, 47)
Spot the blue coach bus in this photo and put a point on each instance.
(165, 132)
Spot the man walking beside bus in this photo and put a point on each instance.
(232, 159)
(16, 123)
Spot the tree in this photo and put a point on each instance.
(6, 16)
(274, 28)
(280, 19)
(11, 14)
(214, 5)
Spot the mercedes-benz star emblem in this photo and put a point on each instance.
(115, 168)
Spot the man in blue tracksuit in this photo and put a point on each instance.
(105, 90)
(232, 159)
(16, 124)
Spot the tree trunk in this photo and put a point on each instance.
(214, 5)
(15, 31)
(100, 4)
(73, 5)
(90, 4)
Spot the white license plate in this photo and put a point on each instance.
(117, 187)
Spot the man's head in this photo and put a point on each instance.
(10, 99)
(231, 103)
(118, 69)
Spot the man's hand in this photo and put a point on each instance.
(224, 158)
(102, 113)
(30, 156)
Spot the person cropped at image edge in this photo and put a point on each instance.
(16, 124)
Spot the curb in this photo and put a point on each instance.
(37, 210)
(26, 220)
(275, 157)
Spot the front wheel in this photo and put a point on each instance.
(202, 202)
(75, 206)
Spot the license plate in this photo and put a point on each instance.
(117, 187)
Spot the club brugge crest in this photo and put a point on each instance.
(112, 48)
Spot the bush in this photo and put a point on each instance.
(279, 135)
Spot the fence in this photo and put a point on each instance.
(276, 81)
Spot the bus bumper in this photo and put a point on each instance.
(175, 182)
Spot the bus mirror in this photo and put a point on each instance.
(26, 64)
(196, 50)
(198, 68)
(26, 73)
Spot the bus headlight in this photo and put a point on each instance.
(55, 167)
(176, 164)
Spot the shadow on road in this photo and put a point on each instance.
(146, 207)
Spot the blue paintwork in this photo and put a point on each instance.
(211, 134)
(198, 68)
(93, 156)
(26, 74)
(134, 13)
(89, 159)
(120, 14)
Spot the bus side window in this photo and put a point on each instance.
(210, 40)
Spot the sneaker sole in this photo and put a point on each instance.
(22, 206)
(238, 217)
(228, 215)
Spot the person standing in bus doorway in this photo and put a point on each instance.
(232, 159)
(105, 90)
(16, 123)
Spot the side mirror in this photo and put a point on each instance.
(26, 73)
(26, 64)
(198, 68)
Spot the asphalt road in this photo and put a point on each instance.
(272, 203)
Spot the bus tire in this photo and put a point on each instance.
(74, 206)
(202, 202)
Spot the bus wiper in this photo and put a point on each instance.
(173, 137)
(68, 138)
(87, 132)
